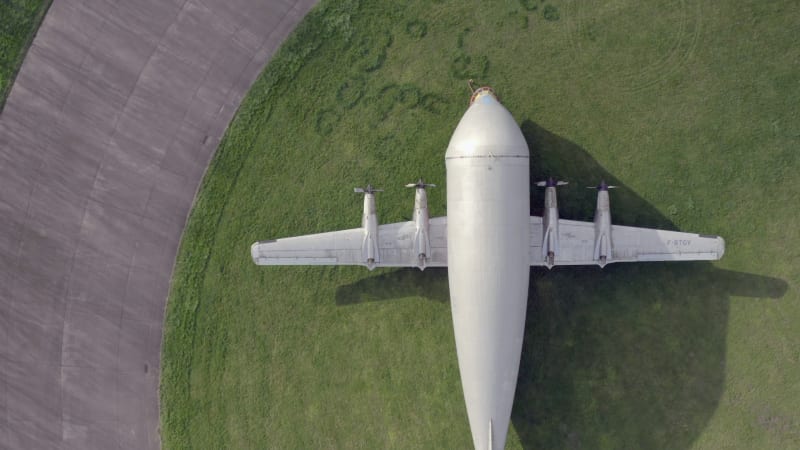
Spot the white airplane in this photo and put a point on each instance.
(488, 241)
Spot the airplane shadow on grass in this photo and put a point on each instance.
(630, 356)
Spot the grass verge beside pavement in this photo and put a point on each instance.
(19, 20)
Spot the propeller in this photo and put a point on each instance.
(551, 182)
(367, 190)
(602, 186)
(420, 184)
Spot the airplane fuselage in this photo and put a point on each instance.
(488, 235)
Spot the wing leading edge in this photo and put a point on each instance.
(582, 243)
(397, 246)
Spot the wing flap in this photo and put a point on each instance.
(397, 244)
(576, 243)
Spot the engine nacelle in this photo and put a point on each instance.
(603, 245)
(422, 242)
(369, 222)
(550, 221)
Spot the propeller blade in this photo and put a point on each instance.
(602, 186)
(551, 182)
(420, 184)
(367, 190)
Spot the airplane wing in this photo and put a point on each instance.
(577, 244)
(395, 243)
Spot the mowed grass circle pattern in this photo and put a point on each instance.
(634, 356)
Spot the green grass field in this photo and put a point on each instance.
(19, 20)
(691, 107)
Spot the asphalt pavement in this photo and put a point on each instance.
(106, 134)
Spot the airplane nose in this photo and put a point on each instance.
(483, 94)
(486, 129)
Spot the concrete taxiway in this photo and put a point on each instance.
(106, 134)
